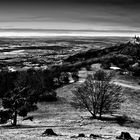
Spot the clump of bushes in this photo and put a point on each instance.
(5, 115)
(136, 71)
(122, 61)
(132, 50)
(75, 76)
(48, 96)
(106, 64)
(121, 120)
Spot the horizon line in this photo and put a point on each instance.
(69, 30)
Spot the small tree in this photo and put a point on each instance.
(5, 115)
(75, 76)
(64, 78)
(23, 98)
(98, 94)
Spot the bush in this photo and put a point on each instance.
(64, 78)
(121, 120)
(106, 64)
(136, 71)
(48, 96)
(5, 115)
(75, 76)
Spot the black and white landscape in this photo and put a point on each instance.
(69, 69)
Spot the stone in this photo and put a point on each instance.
(94, 136)
(125, 136)
(81, 135)
(49, 132)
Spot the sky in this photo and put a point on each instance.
(105, 17)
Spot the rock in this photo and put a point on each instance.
(125, 136)
(94, 136)
(81, 135)
(49, 132)
(73, 137)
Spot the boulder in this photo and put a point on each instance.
(81, 135)
(125, 136)
(94, 136)
(73, 137)
(49, 132)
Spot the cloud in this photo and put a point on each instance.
(71, 14)
(74, 1)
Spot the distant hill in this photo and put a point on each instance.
(132, 50)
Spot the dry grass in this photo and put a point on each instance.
(67, 121)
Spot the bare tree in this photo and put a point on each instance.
(98, 94)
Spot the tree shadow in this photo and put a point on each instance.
(20, 126)
(122, 120)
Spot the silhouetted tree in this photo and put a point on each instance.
(7, 80)
(75, 76)
(24, 96)
(64, 78)
(5, 115)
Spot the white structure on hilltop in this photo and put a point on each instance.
(135, 40)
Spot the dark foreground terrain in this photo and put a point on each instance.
(67, 122)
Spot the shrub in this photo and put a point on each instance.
(5, 115)
(121, 120)
(48, 96)
(75, 76)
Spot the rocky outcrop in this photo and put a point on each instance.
(94, 136)
(125, 136)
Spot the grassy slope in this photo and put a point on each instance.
(65, 120)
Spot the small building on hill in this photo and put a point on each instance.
(115, 68)
(135, 65)
(135, 40)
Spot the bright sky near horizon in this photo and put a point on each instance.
(100, 16)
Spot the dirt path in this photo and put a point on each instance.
(127, 84)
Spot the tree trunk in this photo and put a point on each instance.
(100, 113)
(15, 118)
(94, 116)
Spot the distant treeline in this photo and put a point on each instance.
(94, 53)
(125, 56)
(48, 80)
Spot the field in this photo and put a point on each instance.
(17, 54)
(60, 116)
